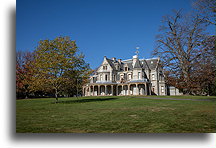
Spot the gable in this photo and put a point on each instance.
(105, 63)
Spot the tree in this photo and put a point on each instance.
(56, 62)
(205, 67)
(24, 73)
(178, 46)
(206, 9)
(19, 74)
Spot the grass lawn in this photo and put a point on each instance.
(122, 114)
(186, 97)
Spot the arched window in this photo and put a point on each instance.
(129, 76)
(104, 67)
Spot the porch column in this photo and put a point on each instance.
(128, 91)
(99, 90)
(86, 92)
(137, 90)
(93, 91)
(117, 90)
(105, 90)
(112, 90)
(89, 90)
(83, 91)
(146, 89)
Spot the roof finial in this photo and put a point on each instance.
(137, 51)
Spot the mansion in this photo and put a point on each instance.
(128, 77)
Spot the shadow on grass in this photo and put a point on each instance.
(86, 100)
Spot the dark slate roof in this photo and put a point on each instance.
(145, 65)
(152, 63)
(111, 63)
(130, 66)
(140, 63)
(137, 64)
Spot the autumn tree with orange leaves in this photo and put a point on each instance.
(24, 73)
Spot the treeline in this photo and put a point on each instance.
(188, 50)
(54, 69)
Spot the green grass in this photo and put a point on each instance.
(115, 115)
(186, 97)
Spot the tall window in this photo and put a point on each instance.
(129, 76)
(105, 77)
(125, 76)
(126, 69)
(162, 89)
(114, 78)
(153, 76)
(139, 75)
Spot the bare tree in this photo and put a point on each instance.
(204, 75)
(178, 45)
(206, 9)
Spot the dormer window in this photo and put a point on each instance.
(126, 67)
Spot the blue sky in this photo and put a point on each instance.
(111, 28)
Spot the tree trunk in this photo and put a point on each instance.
(56, 95)
(186, 79)
(26, 96)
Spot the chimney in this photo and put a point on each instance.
(119, 60)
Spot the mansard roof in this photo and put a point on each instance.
(152, 63)
(130, 66)
(144, 63)
(140, 63)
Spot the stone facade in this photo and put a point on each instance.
(127, 77)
